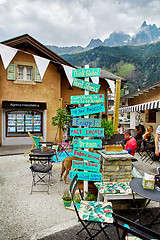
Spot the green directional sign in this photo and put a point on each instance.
(87, 143)
(82, 99)
(86, 166)
(93, 157)
(86, 122)
(97, 108)
(89, 86)
(86, 72)
(86, 176)
(87, 132)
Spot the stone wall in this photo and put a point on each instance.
(116, 167)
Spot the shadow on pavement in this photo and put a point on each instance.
(70, 233)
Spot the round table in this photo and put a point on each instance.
(49, 152)
(154, 195)
(136, 186)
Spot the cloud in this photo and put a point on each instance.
(74, 22)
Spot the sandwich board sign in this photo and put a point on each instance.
(82, 99)
(97, 108)
(94, 157)
(86, 166)
(86, 176)
(86, 72)
(89, 86)
(87, 132)
(86, 122)
(87, 143)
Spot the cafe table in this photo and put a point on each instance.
(49, 152)
(114, 191)
(150, 195)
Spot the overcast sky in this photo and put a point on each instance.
(74, 22)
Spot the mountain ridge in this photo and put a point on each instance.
(146, 34)
(140, 64)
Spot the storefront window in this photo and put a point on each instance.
(19, 123)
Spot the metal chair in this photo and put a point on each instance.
(129, 227)
(41, 167)
(94, 216)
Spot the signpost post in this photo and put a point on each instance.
(91, 168)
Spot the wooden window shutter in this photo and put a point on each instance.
(37, 75)
(11, 72)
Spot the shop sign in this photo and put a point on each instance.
(89, 86)
(87, 132)
(86, 122)
(97, 108)
(86, 176)
(86, 72)
(94, 157)
(23, 105)
(86, 166)
(82, 99)
(87, 143)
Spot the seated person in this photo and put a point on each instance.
(148, 136)
(138, 137)
(131, 143)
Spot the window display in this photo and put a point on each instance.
(19, 123)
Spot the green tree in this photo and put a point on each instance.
(108, 127)
(62, 120)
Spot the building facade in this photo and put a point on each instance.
(33, 80)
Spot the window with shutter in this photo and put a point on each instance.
(37, 75)
(11, 72)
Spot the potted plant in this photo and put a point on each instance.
(67, 199)
(62, 120)
(77, 199)
(90, 197)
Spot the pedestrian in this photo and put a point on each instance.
(157, 142)
(131, 143)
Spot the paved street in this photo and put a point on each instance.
(37, 216)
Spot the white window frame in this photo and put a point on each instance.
(24, 73)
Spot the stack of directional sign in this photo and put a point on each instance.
(86, 127)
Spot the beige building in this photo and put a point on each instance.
(32, 80)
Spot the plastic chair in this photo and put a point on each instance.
(91, 214)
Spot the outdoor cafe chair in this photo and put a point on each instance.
(41, 168)
(35, 142)
(131, 229)
(94, 216)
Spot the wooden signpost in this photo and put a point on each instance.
(86, 72)
(90, 165)
(87, 143)
(86, 85)
(86, 122)
(94, 157)
(87, 166)
(87, 132)
(97, 108)
(82, 99)
(86, 176)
